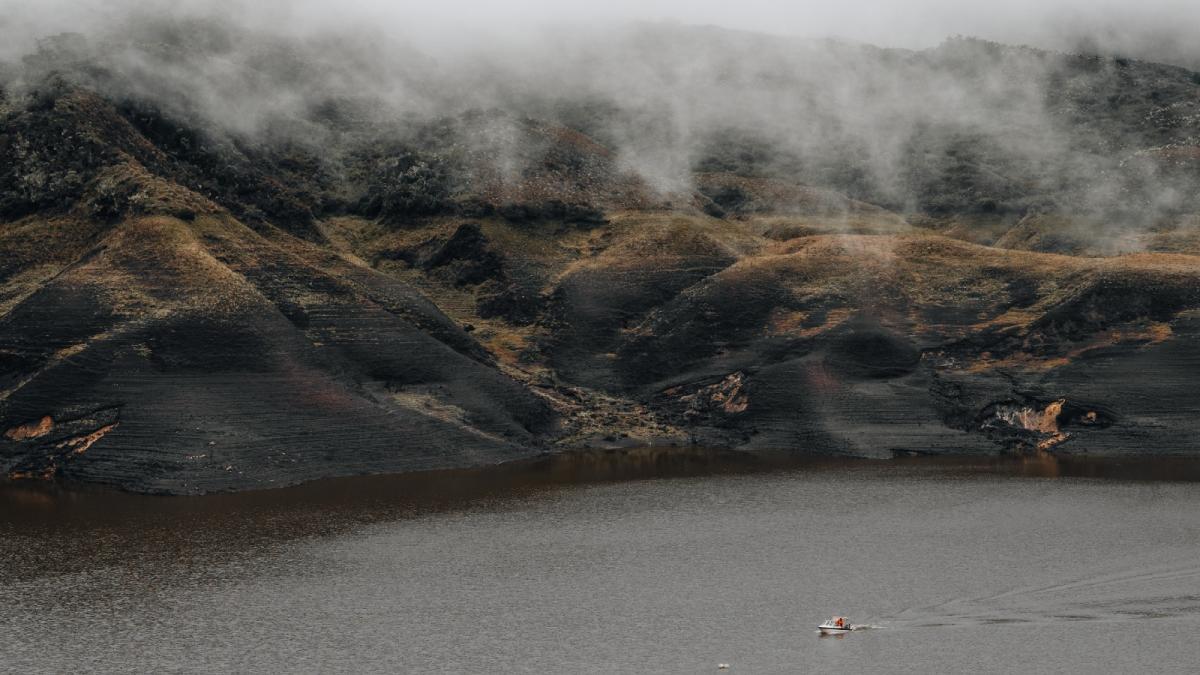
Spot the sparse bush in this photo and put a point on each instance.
(405, 185)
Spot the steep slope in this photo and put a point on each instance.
(878, 344)
(187, 355)
(205, 357)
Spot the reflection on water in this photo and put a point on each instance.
(1049, 465)
(97, 526)
(595, 562)
(28, 503)
(425, 490)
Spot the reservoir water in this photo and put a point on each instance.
(639, 562)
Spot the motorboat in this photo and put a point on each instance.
(835, 625)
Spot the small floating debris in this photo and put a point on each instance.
(722, 666)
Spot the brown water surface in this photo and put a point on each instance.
(634, 561)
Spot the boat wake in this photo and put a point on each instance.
(1161, 591)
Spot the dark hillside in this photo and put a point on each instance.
(974, 248)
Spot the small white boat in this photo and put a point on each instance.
(837, 624)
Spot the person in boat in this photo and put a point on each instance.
(840, 622)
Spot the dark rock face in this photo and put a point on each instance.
(258, 370)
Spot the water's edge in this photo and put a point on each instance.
(446, 488)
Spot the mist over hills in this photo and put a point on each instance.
(1015, 129)
(237, 258)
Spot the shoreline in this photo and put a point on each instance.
(589, 466)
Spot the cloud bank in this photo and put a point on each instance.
(667, 84)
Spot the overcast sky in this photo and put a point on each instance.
(889, 22)
(1154, 27)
